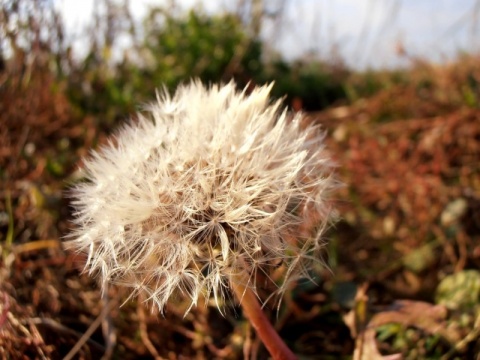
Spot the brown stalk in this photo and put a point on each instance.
(253, 312)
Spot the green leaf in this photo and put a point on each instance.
(460, 291)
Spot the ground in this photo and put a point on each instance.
(402, 262)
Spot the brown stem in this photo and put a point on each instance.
(253, 312)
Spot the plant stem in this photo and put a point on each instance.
(253, 312)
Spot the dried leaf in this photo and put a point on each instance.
(421, 315)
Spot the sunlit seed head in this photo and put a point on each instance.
(209, 185)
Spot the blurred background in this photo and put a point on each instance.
(364, 34)
(395, 84)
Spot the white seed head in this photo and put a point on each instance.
(208, 186)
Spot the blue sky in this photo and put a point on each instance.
(365, 33)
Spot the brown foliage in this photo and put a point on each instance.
(406, 154)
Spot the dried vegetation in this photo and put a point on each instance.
(404, 260)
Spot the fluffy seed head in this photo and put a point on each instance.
(208, 186)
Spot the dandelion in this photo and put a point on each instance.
(204, 196)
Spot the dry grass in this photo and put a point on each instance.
(409, 153)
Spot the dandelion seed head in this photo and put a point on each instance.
(209, 184)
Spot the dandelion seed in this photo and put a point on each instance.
(208, 190)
